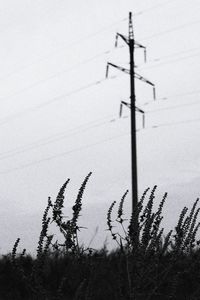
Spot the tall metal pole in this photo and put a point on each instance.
(132, 44)
(133, 118)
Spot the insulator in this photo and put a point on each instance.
(143, 121)
(154, 93)
(107, 68)
(120, 109)
(116, 41)
(145, 55)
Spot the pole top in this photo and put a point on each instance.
(130, 27)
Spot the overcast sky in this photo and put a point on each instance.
(59, 116)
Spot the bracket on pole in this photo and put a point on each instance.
(117, 67)
(126, 40)
(138, 45)
(148, 82)
(136, 108)
(127, 71)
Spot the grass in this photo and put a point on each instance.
(146, 265)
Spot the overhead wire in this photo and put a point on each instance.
(168, 56)
(103, 29)
(98, 56)
(157, 59)
(169, 61)
(64, 153)
(53, 100)
(101, 54)
(173, 107)
(66, 95)
(189, 93)
(173, 29)
(75, 66)
(76, 42)
(17, 115)
(79, 129)
(107, 52)
(193, 92)
(44, 14)
(174, 123)
(139, 13)
(56, 137)
(94, 144)
(56, 74)
(97, 82)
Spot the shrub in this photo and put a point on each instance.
(145, 265)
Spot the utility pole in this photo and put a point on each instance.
(132, 44)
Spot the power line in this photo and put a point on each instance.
(167, 124)
(158, 59)
(174, 54)
(75, 66)
(173, 29)
(76, 42)
(45, 14)
(107, 52)
(61, 97)
(76, 130)
(174, 123)
(189, 93)
(103, 29)
(173, 107)
(53, 100)
(96, 144)
(54, 138)
(98, 56)
(171, 61)
(64, 153)
(139, 13)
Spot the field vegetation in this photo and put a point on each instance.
(146, 265)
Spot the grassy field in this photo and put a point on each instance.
(146, 264)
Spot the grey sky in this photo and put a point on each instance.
(58, 121)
